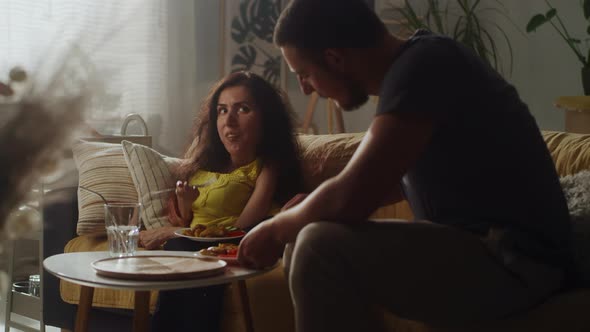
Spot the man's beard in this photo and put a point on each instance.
(357, 99)
(357, 96)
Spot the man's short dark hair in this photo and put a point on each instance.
(319, 24)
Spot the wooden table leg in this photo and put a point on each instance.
(246, 305)
(84, 306)
(141, 317)
(313, 100)
(339, 119)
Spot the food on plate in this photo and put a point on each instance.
(221, 250)
(213, 231)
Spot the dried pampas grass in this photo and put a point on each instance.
(36, 127)
(31, 144)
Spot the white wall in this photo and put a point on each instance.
(544, 67)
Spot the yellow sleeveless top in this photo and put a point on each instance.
(224, 195)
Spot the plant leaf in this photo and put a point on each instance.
(244, 59)
(551, 14)
(272, 69)
(241, 25)
(588, 30)
(575, 40)
(412, 17)
(535, 22)
(508, 44)
(586, 9)
(263, 16)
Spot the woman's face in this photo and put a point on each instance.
(239, 124)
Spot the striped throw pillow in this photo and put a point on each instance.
(102, 169)
(153, 179)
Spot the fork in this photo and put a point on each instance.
(200, 185)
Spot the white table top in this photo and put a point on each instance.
(75, 267)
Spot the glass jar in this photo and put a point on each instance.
(34, 284)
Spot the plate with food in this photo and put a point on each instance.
(224, 251)
(212, 233)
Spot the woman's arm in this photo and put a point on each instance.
(173, 212)
(259, 204)
(181, 212)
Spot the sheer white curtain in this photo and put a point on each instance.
(128, 45)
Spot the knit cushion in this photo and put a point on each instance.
(102, 169)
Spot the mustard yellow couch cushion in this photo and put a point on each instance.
(570, 152)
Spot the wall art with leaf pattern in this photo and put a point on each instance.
(247, 30)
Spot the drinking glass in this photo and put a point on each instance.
(122, 221)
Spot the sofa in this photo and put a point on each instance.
(323, 156)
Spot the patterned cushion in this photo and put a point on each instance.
(152, 177)
(102, 169)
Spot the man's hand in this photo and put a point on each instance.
(154, 238)
(261, 248)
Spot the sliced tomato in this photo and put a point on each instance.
(232, 252)
(235, 233)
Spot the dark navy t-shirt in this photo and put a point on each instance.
(486, 165)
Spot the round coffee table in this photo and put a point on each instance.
(76, 268)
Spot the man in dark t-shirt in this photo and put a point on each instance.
(486, 165)
(492, 235)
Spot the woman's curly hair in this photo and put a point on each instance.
(278, 144)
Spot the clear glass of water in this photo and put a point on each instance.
(122, 221)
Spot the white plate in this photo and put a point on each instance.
(178, 232)
(227, 259)
(157, 267)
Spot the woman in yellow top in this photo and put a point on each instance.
(221, 196)
(243, 162)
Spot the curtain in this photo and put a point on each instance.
(128, 47)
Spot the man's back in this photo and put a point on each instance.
(486, 166)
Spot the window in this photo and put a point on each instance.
(125, 43)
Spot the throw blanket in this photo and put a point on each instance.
(576, 189)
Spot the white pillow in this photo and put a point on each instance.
(151, 173)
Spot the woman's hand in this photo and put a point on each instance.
(154, 238)
(186, 195)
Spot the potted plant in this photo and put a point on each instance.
(462, 20)
(552, 17)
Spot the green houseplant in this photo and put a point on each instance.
(462, 20)
(552, 17)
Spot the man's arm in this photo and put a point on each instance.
(391, 146)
